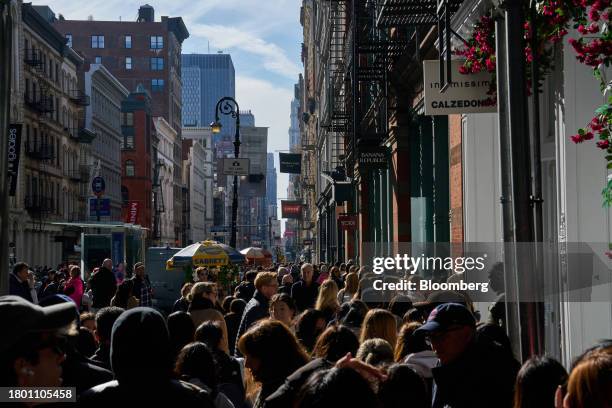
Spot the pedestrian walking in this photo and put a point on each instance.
(202, 307)
(103, 285)
(257, 308)
(74, 287)
(142, 286)
(305, 291)
(105, 318)
(327, 300)
(232, 321)
(21, 283)
(182, 303)
(537, 382)
(282, 308)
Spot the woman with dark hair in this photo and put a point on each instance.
(537, 381)
(403, 382)
(399, 305)
(335, 342)
(272, 353)
(195, 364)
(283, 309)
(225, 305)
(182, 304)
(227, 368)
(409, 343)
(355, 315)
(337, 387)
(124, 297)
(308, 326)
(232, 321)
(180, 328)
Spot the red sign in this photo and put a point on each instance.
(132, 213)
(289, 233)
(291, 209)
(347, 222)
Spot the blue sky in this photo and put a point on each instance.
(263, 37)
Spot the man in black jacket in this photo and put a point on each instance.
(266, 286)
(470, 373)
(246, 289)
(105, 318)
(103, 285)
(305, 291)
(20, 283)
(142, 363)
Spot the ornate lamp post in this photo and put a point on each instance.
(228, 106)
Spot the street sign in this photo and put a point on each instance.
(104, 208)
(236, 167)
(98, 185)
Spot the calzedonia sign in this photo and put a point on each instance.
(13, 151)
(465, 94)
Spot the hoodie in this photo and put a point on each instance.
(142, 363)
(422, 362)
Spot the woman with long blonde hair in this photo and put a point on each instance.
(327, 301)
(379, 323)
(349, 290)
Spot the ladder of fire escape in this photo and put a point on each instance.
(158, 200)
(41, 205)
(337, 67)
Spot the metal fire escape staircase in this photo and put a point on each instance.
(158, 200)
(41, 204)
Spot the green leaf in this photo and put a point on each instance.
(602, 110)
(610, 165)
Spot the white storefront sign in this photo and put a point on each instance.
(466, 94)
(236, 167)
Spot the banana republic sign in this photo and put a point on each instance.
(466, 94)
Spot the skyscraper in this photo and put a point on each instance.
(271, 193)
(206, 79)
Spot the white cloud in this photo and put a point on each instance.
(273, 58)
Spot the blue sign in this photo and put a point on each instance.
(117, 247)
(98, 185)
(104, 207)
(219, 228)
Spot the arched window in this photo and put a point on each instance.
(129, 168)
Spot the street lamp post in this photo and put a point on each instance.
(228, 106)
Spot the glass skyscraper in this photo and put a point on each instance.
(206, 79)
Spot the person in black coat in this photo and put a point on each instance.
(451, 330)
(266, 286)
(246, 289)
(305, 291)
(103, 285)
(19, 284)
(232, 321)
(141, 360)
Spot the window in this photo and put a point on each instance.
(157, 42)
(98, 60)
(128, 142)
(97, 41)
(69, 40)
(128, 41)
(128, 62)
(157, 85)
(129, 168)
(157, 63)
(127, 119)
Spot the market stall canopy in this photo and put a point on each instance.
(257, 255)
(205, 253)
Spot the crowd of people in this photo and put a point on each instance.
(292, 335)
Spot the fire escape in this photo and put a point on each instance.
(38, 201)
(158, 201)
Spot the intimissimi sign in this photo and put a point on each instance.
(466, 94)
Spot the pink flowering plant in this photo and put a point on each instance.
(593, 47)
